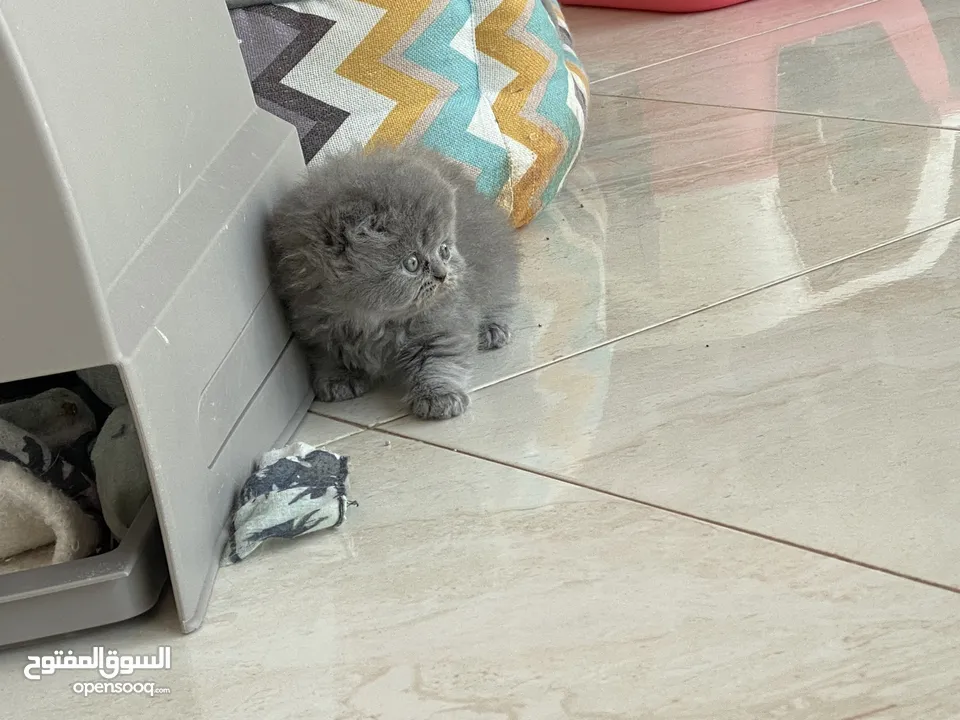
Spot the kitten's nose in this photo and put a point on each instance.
(440, 273)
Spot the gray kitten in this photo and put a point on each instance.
(393, 266)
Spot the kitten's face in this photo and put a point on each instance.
(401, 258)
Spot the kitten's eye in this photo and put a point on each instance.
(444, 252)
(411, 264)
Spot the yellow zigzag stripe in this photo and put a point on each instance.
(530, 66)
(579, 72)
(364, 67)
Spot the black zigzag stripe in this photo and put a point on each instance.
(269, 85)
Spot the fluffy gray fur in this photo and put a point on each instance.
(392, 266)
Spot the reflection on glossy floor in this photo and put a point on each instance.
(715, 476)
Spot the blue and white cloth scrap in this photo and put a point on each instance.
(296, 490)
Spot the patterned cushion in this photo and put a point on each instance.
(493, 84)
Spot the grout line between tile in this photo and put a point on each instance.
(393, 418)
(775, 111)
(732, 298)
(660, 323)
(678, 513)
(357, 428)
(725, 44)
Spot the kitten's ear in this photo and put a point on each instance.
(372, 224)
(338, 222)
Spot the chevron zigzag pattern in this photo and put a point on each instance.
(494, 84)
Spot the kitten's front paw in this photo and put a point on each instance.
(439, 404)
(341, 387)
(494, 336)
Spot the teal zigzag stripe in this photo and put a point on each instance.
(448, 132)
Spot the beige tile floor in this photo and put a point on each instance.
(715, 476)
